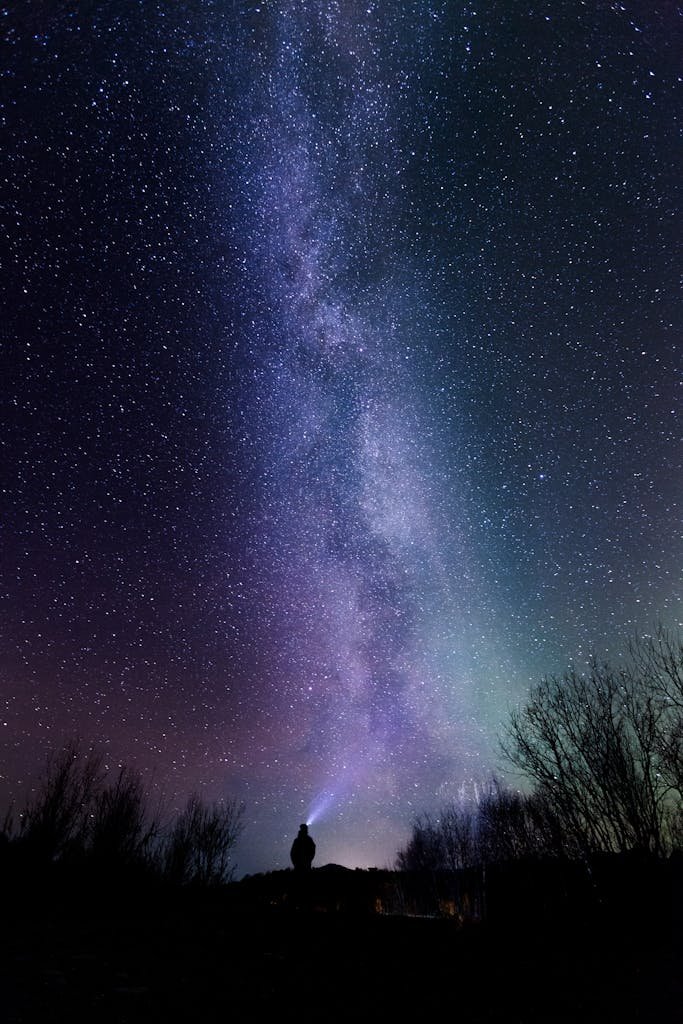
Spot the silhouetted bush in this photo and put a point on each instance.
(87, 822)
(55, 825)
(199, 846)
(122, 831)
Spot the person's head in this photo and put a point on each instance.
(303, 829)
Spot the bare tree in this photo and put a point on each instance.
(459, 827)
(549, 837)
(601, 750)
(201, 842)
(658, 659)
(506, 828)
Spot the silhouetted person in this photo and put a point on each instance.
(303, 850)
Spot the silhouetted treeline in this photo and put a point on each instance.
(597, 828)
(88, 821)
(601, 757)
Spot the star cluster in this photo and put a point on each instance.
(339, 394)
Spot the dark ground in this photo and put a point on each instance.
(201, 957)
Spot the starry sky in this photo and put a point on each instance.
(339, 359)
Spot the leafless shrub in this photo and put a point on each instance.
(87, 816)
(201, 842)
(56, 821)
(122, 830)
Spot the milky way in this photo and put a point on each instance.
(341, 405)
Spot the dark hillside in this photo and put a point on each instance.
(235, 954)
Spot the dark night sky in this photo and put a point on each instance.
(339, 388)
